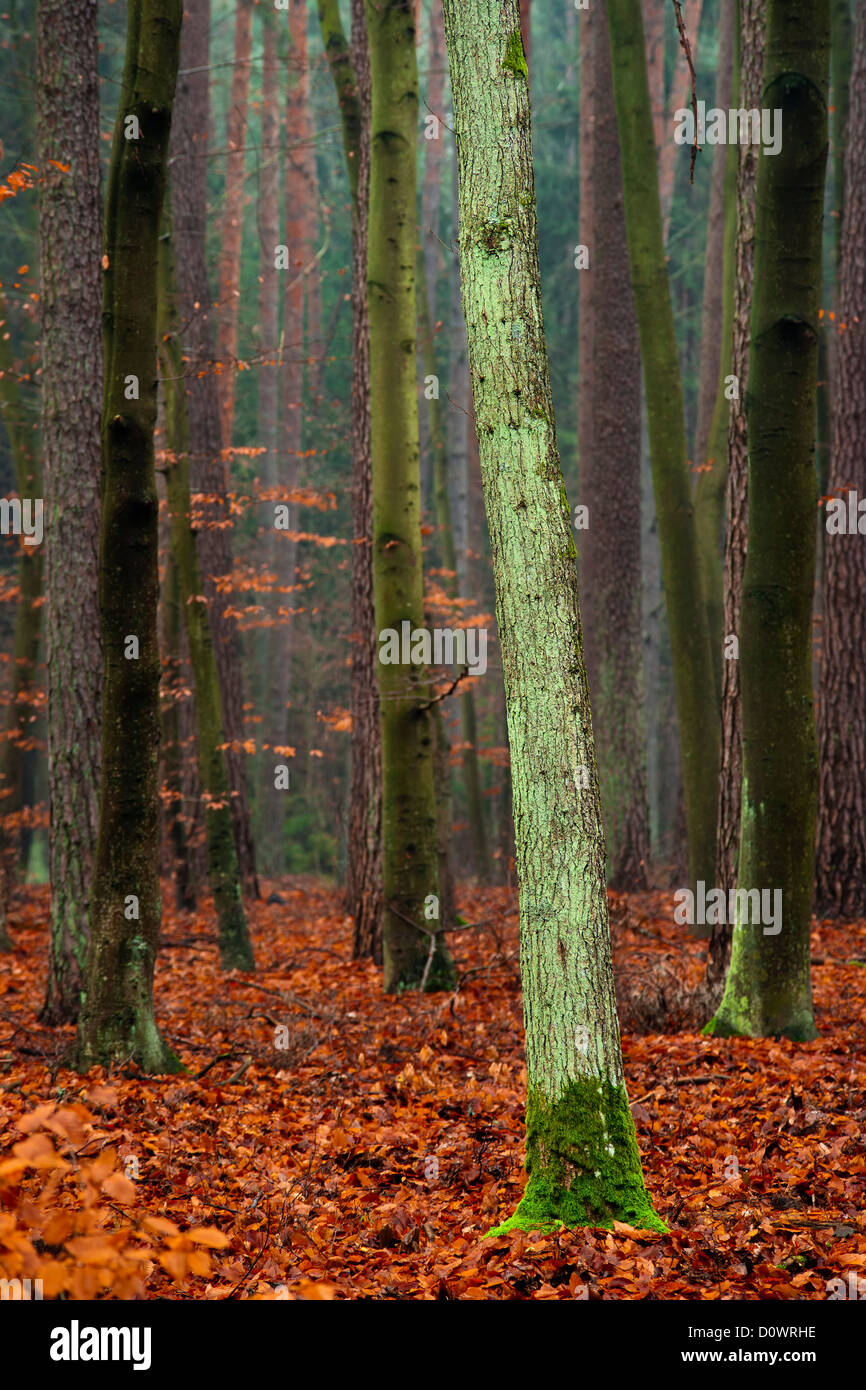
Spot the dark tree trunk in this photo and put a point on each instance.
(69, 236)
(116, 1023)
(841, 860)
(209, 475)
(609, 550)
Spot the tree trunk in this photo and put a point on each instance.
(654, 38)
(69, 237)
(209, 477)
(841, 860)
(610, 486)
(350, 69)
(408, 798)
(751, 66)
(18, 730)
(229, 291)
(236, 952)
(768, 990)
(581, 1152)
(116, 1023)
(269, 803)
(175, 820)
(710, 452)
(680, 95)
(697, 709)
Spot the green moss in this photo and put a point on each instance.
(583, 1163)
(515, 58)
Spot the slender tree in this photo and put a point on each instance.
(69, 240)
(697, 709)
(581, 1152)
(751, 66)
(223, 872)
(841, 858)
(233, 217)
(610, 551)
(350, 68)
(18, 730)
(408, 798)
(116, 1023)
(768, 990)
(209, 475)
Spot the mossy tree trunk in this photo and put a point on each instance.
(116, 1023)
(750, 72)
(581, 1151)
(408, 797)
(841, 859)
(236, 952)
(69, 236)
(697, 708)
(610, 549)
(350, 68)
(173, 811)
(768, 991)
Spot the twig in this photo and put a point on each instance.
(287, 999)
(687, 49)
(223, 1057)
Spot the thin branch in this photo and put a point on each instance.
(687, 49)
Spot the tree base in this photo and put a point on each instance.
(727, 1024)
(583, 1163)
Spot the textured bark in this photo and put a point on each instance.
(841, 858)
(459, 408)
(351, 72)
(116, 1023)
(585, 347)
(190, 138)
(70, 235)
(18, 730)
(526, 28)
(270, 801)
(697, 709)
(236, 952)
(175, 821)
(408, 798)
(680, 95)
(768, 991)
(610, 486)
(448, 558)
(582, 1157)
(710, 452)
(229, 292)
(751, 65)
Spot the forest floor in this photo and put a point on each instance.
(329, 1142)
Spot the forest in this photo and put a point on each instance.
(433, 658)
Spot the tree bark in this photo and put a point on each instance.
(408, 796)
(751, 65)
(581, 1153)
(710, 452)
(236, 952)
(697, 709)
(116, 1023)
(610, 549)
(841, 858)
(69, 237)
(233, 219)
(768, 991)
(209, 476)
(350, 69)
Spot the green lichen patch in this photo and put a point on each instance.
(515, 58)
(583, 1163)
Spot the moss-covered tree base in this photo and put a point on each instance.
(583, 1163)
(120, 1041)
(738, 1023)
